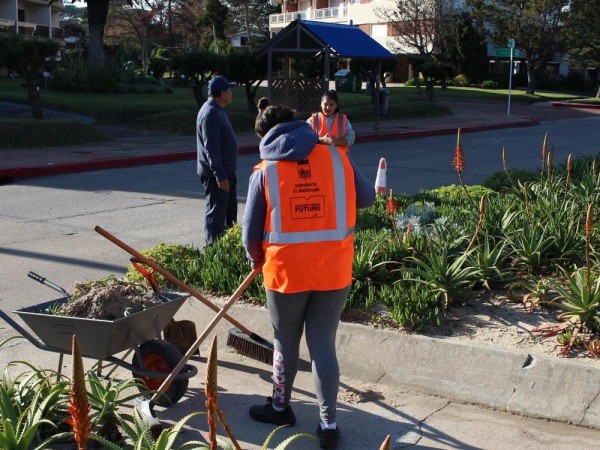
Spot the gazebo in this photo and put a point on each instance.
(307, 39)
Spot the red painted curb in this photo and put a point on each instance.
(115, 163)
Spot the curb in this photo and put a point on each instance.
(541, 387)
(575, 105)
(443, 131)
(11, 174)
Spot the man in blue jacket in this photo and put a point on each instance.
(217, 157)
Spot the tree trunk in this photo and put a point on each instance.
(198, 95)
(97, 13)
(598, 93)
(530, 78)
(33, 93)
(250, 97)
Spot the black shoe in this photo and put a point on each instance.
(328, 438)
(266, 414)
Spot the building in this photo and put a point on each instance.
(356, 12)
(32, 18)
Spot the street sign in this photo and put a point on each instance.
(510, 43)
(505, 53)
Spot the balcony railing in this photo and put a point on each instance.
(7, 26)
(310, 14)
(31, 29)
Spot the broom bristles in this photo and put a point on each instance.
(253, 346)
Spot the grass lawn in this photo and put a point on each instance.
(176, 112)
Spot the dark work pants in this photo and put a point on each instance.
(221, 207)
(318, 313)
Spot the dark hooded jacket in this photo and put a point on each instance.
(288, 141)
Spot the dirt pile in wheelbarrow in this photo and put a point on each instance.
(107, 300)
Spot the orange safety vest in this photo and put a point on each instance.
(309, 229)
(338, 127)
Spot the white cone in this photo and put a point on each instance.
(380, 181)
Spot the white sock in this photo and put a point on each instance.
(331, 426)
(277, 408)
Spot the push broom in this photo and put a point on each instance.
(243, 340)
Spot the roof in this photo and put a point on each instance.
(344, 41)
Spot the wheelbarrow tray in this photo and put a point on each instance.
(100, 339)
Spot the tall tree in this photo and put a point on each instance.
(466, 49)
(534, 25)
(582, 34)
(214, 17)
(97, 12)
(419, 26)
(251, 17)
(28, 57)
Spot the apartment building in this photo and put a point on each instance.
(356, 12)
(32, 18)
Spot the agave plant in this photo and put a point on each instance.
(19, 427)
(106, 397)
(488, 260)
(448, 277)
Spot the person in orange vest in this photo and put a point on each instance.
(298, 226)
(333, 127)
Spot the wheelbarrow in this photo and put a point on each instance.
(154, 358)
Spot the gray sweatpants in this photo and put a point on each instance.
(319, 313)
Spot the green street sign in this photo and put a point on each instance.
(505, 52)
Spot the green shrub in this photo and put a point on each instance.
(455, 194)
(226, 266)
(183, 261)
(489, 84)
(460, 80)
(413, 305)
(176, 122)
(499, 181)
(23, 133)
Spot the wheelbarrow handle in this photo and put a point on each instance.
(147, 274)
(46, 282)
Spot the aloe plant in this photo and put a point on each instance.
(19, 428)
(106, 398)
(448, 277)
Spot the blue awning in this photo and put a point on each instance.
(347, 41)
(343, 41)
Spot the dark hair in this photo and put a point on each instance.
(270, 115)
(331, 94)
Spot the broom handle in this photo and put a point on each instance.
(165, 384)
(176, 281)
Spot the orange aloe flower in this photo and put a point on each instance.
(79, 406)
(459, 157)
(391, 207)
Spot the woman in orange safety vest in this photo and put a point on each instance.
(333, 127)
(298, 226)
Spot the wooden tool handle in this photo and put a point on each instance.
(169, 276)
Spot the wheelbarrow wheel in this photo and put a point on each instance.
(160, 356)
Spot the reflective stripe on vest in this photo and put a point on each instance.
(277, 236)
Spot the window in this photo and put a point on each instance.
(379, 30)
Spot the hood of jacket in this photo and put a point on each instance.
(288, 141)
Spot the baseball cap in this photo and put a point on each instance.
(219, 84)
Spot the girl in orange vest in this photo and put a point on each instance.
(298, 226)
(332, 127)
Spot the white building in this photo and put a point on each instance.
(32, 18)
(356, 12)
